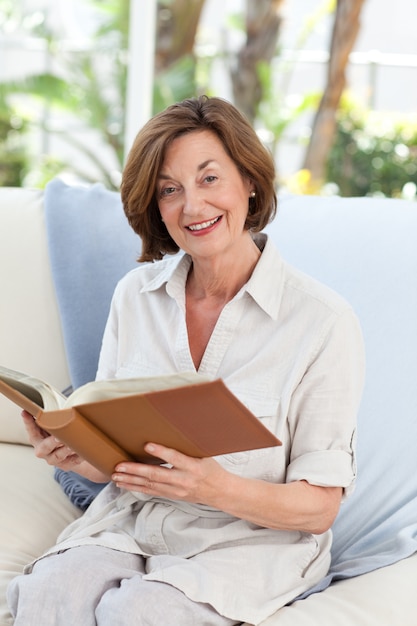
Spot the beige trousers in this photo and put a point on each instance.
(95, 586)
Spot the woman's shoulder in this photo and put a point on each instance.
(296, 286)
(305, 286)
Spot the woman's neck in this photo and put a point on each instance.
(221, 278)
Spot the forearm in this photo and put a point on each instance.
(293, 506)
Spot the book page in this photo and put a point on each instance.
(108, 389)
(36, 390)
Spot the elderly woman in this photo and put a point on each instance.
(222, 540)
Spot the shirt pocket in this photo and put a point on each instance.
(262, 462)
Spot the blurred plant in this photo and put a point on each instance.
(278, 108)
(43, 170)
(302, 183)
(175, 83)
(88, 85)
(14, 157)
(346, 27)
(374, 153)
(261, 29)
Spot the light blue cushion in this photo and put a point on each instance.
(91, 246)
(366, 249)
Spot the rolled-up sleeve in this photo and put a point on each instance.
(324, 406)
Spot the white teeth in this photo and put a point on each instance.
(203, 225)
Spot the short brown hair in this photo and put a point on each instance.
(147, 155)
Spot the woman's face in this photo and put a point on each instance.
(202, 197)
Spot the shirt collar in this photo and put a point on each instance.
(171, 271)
(265, 285)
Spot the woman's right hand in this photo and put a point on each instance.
(47, 447)
(56, 453)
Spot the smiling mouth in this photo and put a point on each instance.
(203, 225)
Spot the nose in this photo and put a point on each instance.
(193, 202)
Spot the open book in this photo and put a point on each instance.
(110, 421)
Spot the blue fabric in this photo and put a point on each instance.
(91, 246)
(79, 490)
(366, 250)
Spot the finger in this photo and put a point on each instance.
(144, 483)
(47, 447)
(169, 455)
(55, 454)
(62, 454)
(148, 476)
(141, 476)
(35, 433)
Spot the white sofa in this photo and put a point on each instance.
(365, 248)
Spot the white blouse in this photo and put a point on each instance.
(291, 350)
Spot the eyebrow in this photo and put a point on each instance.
(200, 167)
(204, 164)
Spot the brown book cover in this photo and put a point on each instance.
(196, 416)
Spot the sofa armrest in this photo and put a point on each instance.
(33, 512)
(30, 327)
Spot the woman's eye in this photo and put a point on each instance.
(210, 178)
(167, 191)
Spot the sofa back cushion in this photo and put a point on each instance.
(366, 249)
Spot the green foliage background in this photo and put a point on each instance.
(373, 153)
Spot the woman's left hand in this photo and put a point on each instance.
(187, 478)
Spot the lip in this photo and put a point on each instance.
(203, 227)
